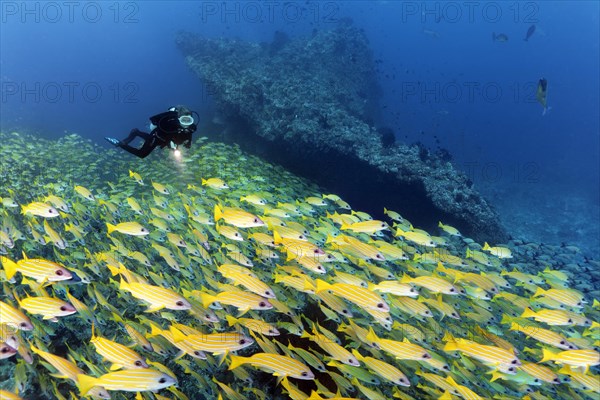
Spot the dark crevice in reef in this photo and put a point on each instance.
(304, 103)
(365, 187)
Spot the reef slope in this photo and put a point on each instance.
(306, 103)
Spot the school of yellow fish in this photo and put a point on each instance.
(220, 276)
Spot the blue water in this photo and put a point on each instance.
(101, 68)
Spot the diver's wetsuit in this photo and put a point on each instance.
(168, 129)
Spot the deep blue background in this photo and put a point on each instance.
(429, 56)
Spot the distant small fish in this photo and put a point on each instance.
(529, 33)
(541, 94)
(501, 37)
(431, 33)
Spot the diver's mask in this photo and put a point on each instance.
(184, 116)
(186, 120)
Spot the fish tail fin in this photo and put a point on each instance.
(231, 320)
(357, 354)
(218, 213)
(405, 279)
(85, 383)
(451, 381)
(528, 313)
(236, 361)
(321, 285)
(155, 330)
(305, 335)
(486, 246)
(495, 376)
(458, 276)
(451, 345)
(178, 336)
(314, 396)
(539, 292)
(111, 228)
(276, 237)
(10, 267)
(123, 285)
(566, 370)
(513, 325)
(204, 182)
(207, 299)
(24, 209)
(371, 336)
(547, 355)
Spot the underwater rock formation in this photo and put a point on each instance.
(304, 103)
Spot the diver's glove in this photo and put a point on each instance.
(172, 145)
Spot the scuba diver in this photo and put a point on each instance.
(170, 128)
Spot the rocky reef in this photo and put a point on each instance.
(306, 103)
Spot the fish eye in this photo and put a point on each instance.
(427, 312)
(570, 321)
(179, 303)
(63, 308)
(23, 324)
(452, 290)
(562, 342)
(262, 304)
(344, 311)
(242, 341)
(59, 272)
(556, 380)
(268, 292)
(162, 380)
(197, 353)
(138, 363)
(426, 356)
(304, 374)
(514, 362)
(446, 368)
(453, 314)
(5, 349)
(379, 305)
(530, 281)
(511, 369)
